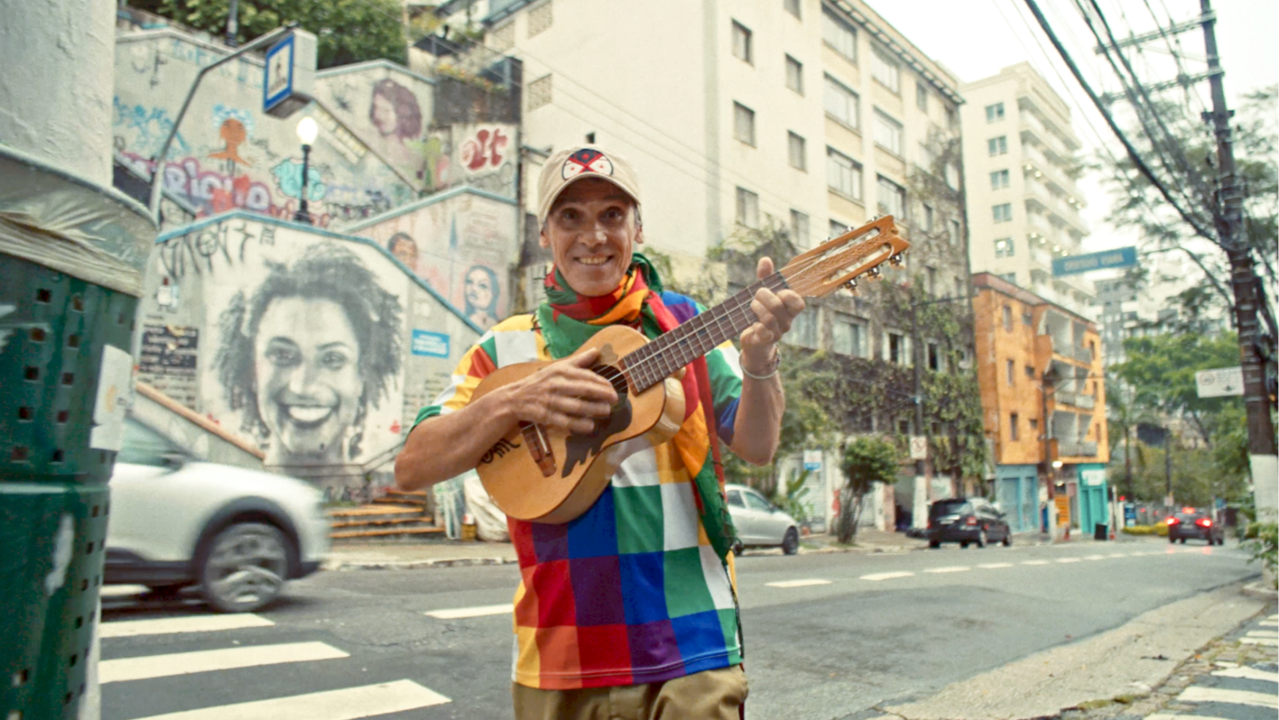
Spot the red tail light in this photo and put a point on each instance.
(1203, 522)
(970, 521)
(1172, 521)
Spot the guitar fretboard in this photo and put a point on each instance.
(672, 350)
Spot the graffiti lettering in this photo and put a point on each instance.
(196, 252)
(485, 149)
(502, 447)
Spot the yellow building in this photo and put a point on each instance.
(1043, 399)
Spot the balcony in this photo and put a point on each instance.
(1082, 354)
(1076, 449)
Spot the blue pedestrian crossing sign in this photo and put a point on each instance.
(289, 76)
(278, 81)
(1118, 258)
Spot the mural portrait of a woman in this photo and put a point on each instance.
(480, 291)
(397, 117)
(307, 353)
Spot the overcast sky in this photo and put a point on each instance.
(976, 38)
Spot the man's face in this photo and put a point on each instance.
(592, 231)
(306, 362)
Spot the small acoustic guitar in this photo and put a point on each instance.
(552, 476)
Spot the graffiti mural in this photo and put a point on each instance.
(461, 244)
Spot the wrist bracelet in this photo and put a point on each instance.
(777, 363)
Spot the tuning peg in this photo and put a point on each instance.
(896, 260)
(874, 273)
(851, 285)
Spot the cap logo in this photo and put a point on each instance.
(584, 161)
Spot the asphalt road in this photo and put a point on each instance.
(827, 635)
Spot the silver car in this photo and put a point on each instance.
(759, 522)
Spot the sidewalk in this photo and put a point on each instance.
(455, 553)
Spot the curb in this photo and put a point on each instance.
(341, 565)
(1258, 589)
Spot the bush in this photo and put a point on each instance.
(1262, 540)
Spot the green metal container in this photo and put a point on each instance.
(54, 503)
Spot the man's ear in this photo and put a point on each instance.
(639, 235)
(542, 239)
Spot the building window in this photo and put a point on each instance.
(803, 331)
(747, 208)
(1008, 312)
(791, 6)
(1009, 277)
(744, 123)
(934, 357)
(952, 176)
(1027, 319)
(1003, 213)
(930, 274)
(896, 348)
(794, 75)
(1013, 430)
(843, 175)
(954, 233)
(847, 336)
(1004, 247)
(999, 179)
(538, 92)
(886, 71)
(1030, 373)
(742, 42)
(799, 228)
(838, 228)
(952, 118)
(921, 96)
(994, 112)
(795, 147)
(959, 287)
(841, 103)
(997, 146)
(839, 35)
(888, 133)
(1011, 372)
(892, 198)
(1034, 424)
(928, 218)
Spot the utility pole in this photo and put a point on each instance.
(1228, 217)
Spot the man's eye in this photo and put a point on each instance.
(614, 214)
(568, 215)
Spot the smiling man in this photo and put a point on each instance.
(629, 609)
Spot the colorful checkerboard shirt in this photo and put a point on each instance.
(631, 591)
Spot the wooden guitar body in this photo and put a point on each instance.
(544, 475)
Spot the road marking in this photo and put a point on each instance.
(1195, 693)
(1173, 716)
(1117, 555)
(1271, 642)
(1247, 673)
(995, 566)
(1269, 623)
(345, 704)
(876, 577)
(1094, 557)
(1035, 562)
(797, 583)
(195, 623)
(113, 591)
(1069, 560)
(156, 666)
(1273, 617)
(479, 611)
(951, 569)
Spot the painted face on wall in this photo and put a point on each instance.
(592, 232)
(383, 115)
(306, 362)
(404, 250)
(478, 289)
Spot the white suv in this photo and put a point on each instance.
(239, 534)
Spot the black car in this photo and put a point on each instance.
(1196, 524)
(966, 520)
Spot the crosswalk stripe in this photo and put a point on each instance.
(1035, 562)
(1196, 693)
(876, 577)
(995, 566)
(478, 611)
(155, 666)
(797, 583)
(1069, 560)
(1269, 623)
(1247, 673)
(345, 704)
(1094, 557)
(951, 569)
(195, 623)
(1117, 555)
(1271, 642)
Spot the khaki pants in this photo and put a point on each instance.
(707, 695)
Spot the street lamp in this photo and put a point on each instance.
(307, 130)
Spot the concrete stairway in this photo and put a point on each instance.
(396, 515)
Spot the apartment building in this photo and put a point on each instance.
(1019, 169)
(1043, 397)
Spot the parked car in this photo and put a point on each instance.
(966, 520)
(1192, 523)
(239, 534)
(759, 522)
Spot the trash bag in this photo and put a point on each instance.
(489, 520)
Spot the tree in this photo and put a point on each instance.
(347, 31)
(866, 461)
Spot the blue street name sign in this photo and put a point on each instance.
(1117, 258)
(431, 344)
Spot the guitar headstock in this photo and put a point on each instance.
(840, 261)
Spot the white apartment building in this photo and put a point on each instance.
(1023, 204)
(802, 113)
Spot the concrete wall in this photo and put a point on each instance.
(199, 436)
(462, 242)
(54, 91)
(228, 154)
(317, 349)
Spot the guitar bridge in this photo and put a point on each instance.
(539, 447)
